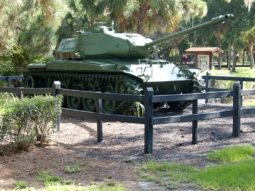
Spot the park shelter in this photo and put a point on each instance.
(204, 55)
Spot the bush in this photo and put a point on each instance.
(28, 121)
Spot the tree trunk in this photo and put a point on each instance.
(194, 35)
(243, 61)
(251, 55)
(219, 54)
(141, 18)
(234, 60)
(219, 61)
(229, 57)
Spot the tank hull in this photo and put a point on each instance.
(112, 76)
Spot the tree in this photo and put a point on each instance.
(27, 32)
(231, 35)
(140, 15)
(249, 39)
(82, 14)
(153, 16)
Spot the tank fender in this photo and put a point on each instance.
(37, 66)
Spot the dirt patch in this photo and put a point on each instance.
(121, 151)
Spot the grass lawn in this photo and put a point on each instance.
(60, 187)
(56, 183)
(230, 168)
(240, 72)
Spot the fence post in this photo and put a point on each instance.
(207, 85)
(241, 85)
(236, 109)
(99, 121)
(8, 81)
(148, 134)
(56, 88)
(194, 123)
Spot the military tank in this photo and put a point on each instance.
(106, 61)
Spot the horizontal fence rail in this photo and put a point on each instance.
(103, 116)
(27, 91)
(229, 78)
(208, 78)
(9, 79)
(191, 117)
(148, 100)
(97, 95)
(193, 96)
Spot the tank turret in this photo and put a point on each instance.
(104, 42)
(106, 61)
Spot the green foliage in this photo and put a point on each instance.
(27, 121)
(27, 32)
(108, 185)
(48, 179)
(249, 103)
(166, 174)
(82, 14)
(236, 173)
(5, 98)
(20, 185)
(77, 188)
(14, 60)
(56, 183)
(240, 72)
(233, 153)
(234, 176)
(60, 187)
(71, 169)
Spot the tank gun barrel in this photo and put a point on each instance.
(213, 21)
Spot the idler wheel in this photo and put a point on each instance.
(109, 106)
(130, 86)
(29, 81)
(74, 102)
(88, 104)
(127, 86)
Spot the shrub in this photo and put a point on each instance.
(27, 121)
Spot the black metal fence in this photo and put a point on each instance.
(10, 79)
(149, 119)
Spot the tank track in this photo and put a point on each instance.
(104, 82)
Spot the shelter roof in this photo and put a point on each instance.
(204, 50)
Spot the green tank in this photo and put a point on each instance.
(103, 60)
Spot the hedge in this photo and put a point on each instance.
(28, 121)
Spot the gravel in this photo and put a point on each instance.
(172, 142)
